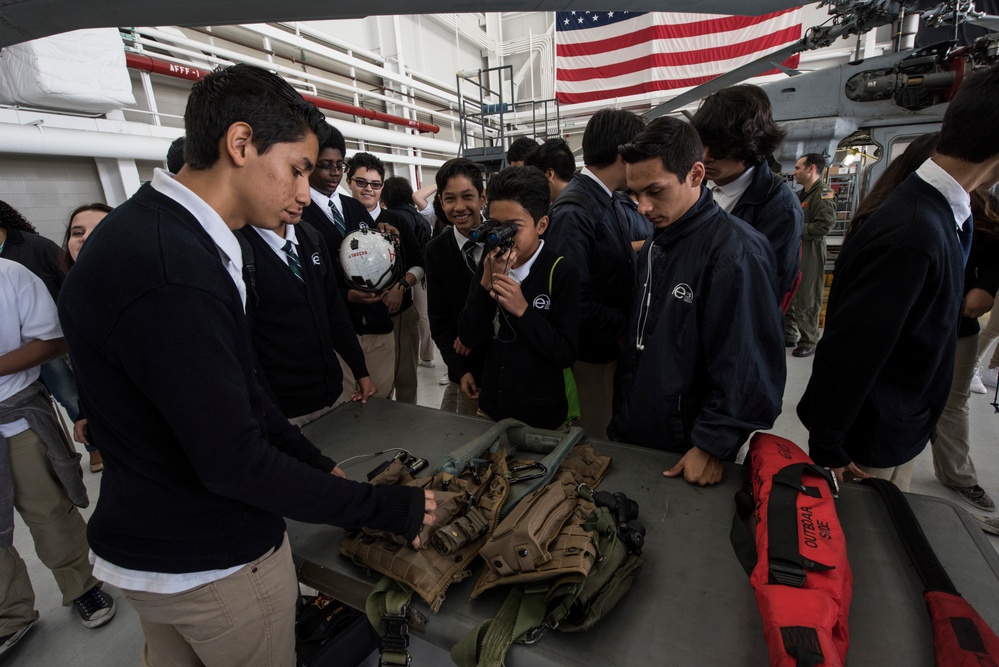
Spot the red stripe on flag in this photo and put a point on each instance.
(680, 59)
(651, 86)
(677, 31)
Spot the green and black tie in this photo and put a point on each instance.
(293, 263)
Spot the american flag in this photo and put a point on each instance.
(603, 55)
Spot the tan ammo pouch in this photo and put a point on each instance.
(471, 486)
(545, 536)
(428, 571)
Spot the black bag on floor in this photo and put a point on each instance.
(328, 633)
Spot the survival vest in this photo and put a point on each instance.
(797, 558)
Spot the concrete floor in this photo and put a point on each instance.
(60, 639)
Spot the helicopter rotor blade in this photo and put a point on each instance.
(738, 75)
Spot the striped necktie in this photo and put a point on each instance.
(466, 251)
(293, 263)
(341, 224)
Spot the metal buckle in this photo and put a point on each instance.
(537, 465)
(395, 641)
(535, 635)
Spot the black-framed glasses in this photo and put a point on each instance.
(331, 167)
(364, 183)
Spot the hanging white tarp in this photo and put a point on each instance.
(81, 71)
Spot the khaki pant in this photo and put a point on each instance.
(313, 416)
(406, 328)
(455, 401)
(595, 383)
(900, 476)
(379, 357)
(987, 337)
(427, 346)
(951, 451)
(57, 528)
(245, 619)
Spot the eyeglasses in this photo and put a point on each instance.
(362, 184)
(331, 167)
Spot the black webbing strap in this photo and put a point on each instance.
(802, 644)
(927, 565)
(787, 565)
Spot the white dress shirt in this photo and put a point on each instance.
(521, 272)
(276, 243)
(324, 203)
(461, 240)
(956, 196)
(727, 196)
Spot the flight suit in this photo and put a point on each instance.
(801, 324)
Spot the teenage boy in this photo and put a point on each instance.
(39, 469)
(555, 160)
(299, 321)
(885, 363)
(704, 365)
(396, 322)
(451, 261)
(590, 227)
(738, 132)
(523, 308)
(201, 465)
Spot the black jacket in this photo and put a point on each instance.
(771, 208)
(38, 254)
(883, 368)
(596, 239)
(705, 364)
(448, 281)
(200, 466)
(299, 327)
(524, 376)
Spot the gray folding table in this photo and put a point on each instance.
(692, 603)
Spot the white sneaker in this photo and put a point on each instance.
(990, 377)
(444, 380)
(427, 363)
(977, 386)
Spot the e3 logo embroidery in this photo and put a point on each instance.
(542, 302)
(315, 259)
(683, 292)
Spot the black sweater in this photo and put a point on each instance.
(448, 281)
(883, 367)
(298, 327)
(200, 464)
(523, 376)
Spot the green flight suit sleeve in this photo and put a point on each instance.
(820, 216)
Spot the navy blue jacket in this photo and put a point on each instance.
(883, 368)
(704, 365)
(200, 465)
(596, 239)
(771, 208)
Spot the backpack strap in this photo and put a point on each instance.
(249, 269)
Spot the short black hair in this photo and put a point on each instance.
(556, 155)
(454, 168)
(525, 185)
(397, 192)
(364, 161)
(816, 160)
(737, 122)
(969, 131)
(244, 93)
(335, 141)
(671, 140)
(175, 155)
(605, 131)
(520, 148)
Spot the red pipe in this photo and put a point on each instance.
(145, 63)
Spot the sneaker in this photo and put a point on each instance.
(7, 642)
(976, 496)
(445, 380)
(977, 387)
(95, 606)
(427, 363)
(989, 525)
(990, 377)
